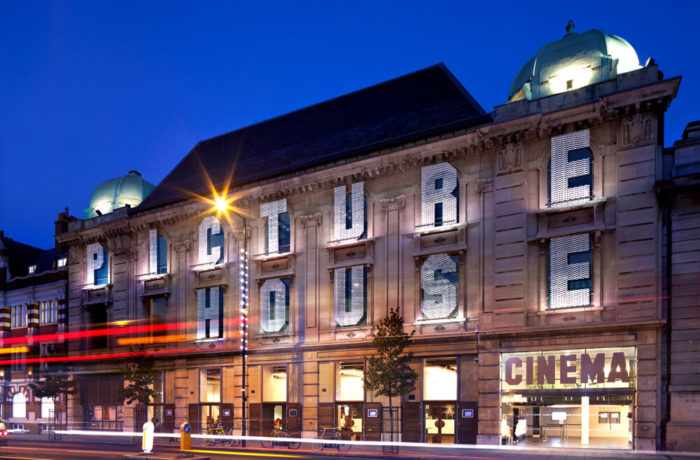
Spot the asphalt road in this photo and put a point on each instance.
(45, 450)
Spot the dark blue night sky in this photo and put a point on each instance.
(91, 90)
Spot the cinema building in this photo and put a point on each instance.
(523, 247)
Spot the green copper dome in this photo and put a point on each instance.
(575, 61)
(117, 193)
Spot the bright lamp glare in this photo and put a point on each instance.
(221, 204)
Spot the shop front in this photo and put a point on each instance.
(569, 398)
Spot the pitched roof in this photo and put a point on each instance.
(421, 104)
(21, 256)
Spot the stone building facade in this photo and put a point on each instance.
(524, 248)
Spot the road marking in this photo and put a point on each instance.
(26, 458)
(253, 454)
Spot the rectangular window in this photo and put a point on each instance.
(162, 257)
(18, 316)
(62, 262)
(440, 379)
(210, 385)
(47, 312)
(274, 385)
(350, 385)
(157, 312)
(32, 269)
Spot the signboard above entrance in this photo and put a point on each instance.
(568, 369)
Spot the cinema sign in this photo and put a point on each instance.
(567, 369)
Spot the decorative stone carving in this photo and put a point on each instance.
(119, 244)
(182, 246)
(484, 185)
(509, 158)
(310, 220)
(636, 129)
(393, 204)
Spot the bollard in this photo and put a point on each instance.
(185, 433)
(147, 442)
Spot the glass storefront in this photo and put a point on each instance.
(569, 398)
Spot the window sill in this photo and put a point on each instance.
(210, 339)
(573, 207)
(423, 322)
(152, 276)
(551, 311)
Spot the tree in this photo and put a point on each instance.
(138, 371)
(55, 381)
(388, 372)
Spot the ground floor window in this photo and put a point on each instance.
(598, 420)
(104, 417)
(47, 407)
(19, 405)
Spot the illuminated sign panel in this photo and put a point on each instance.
(211, 241)
(570, 271)
(349, 211)
(570, 175)
(569, 369)
(210, 313)
(439, 282)
(97, 265)
(350, 295)
(277, 238)
(439, 195)
(274, 305)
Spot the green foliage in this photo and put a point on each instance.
(54, 381)
(388, 373)
(139, 374)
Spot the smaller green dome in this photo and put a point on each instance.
(117, 193)
(575, 61)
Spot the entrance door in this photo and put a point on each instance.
(440, 422)
(210, 416)
(273, 417)
(349, 420)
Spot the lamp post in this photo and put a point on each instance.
(222, 205)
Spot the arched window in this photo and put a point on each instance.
(19, 405)
(47, 407)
